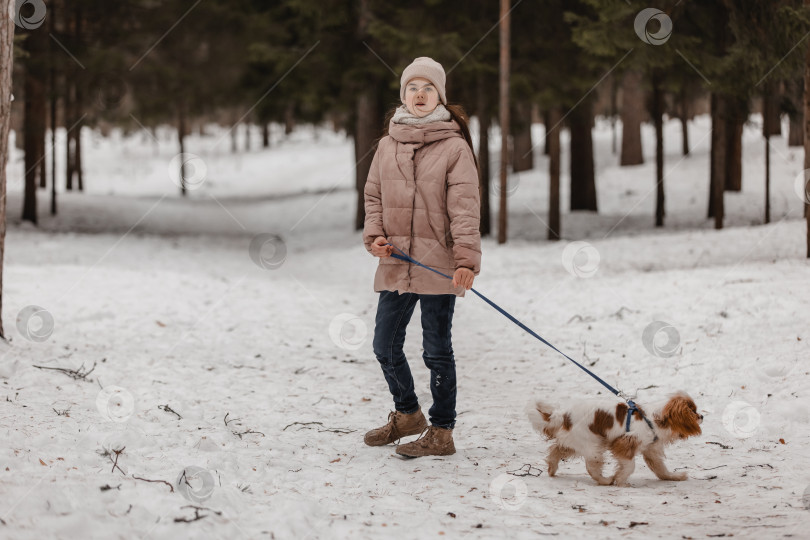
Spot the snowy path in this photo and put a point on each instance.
(189, 321)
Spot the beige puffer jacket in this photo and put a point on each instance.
(422, 194)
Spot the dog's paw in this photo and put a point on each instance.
(618, 482)
(606, 481)
(678, 477)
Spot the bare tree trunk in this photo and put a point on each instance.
(554, 225)
(79, 105)
(794, 90)
(734, 129)
(806, 110)
(42, 167)
(658, 119)
(483, 156)
(35, 84)
(523, 156)
(796, 131)
(684, 105)
(181, 139)
(547, 125)
(719, 111)
(368, 118)
(718, 160)
(54, 98)
(503, 89)
(583, 181)
(265, 135)
(69, 152)
(614, 111)
(70, 119)
(734, 155)
(289, 118)
(767, 179)
(366, 132)
(770, 108)
(234, 132)
(632, 113)
(6, 67)
(78, 150)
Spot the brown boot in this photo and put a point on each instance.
(399, 425)
(434, 441)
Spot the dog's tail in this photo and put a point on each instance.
(542, 418)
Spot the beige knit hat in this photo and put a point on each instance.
(429, 69)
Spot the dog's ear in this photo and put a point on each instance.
(681, 417)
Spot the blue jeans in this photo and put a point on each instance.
(393, 314)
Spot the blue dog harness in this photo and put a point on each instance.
(631, 408)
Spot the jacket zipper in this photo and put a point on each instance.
(413, 211)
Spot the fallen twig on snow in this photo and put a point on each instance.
(300, 424)
(712, 468)
(169, 410)
(342, 431)
(171, 487)
(580, 318)
(721, 445)
(79, 373)
(109, 454)
(197, 515)
(620, 313)
(115, 463)
(527, 472)
(238, 423)
(248, 432)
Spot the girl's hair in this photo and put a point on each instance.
(456, 113)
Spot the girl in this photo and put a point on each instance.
(422, 195)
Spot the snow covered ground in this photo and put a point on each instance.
(250, 370)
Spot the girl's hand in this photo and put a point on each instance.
(379, 249)
(464, 277)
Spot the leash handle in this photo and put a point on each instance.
(406, 257)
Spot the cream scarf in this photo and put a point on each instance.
(439, 114)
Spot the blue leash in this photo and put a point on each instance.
(631, 405)
(406, 257)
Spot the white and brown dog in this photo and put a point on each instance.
(590, 428)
